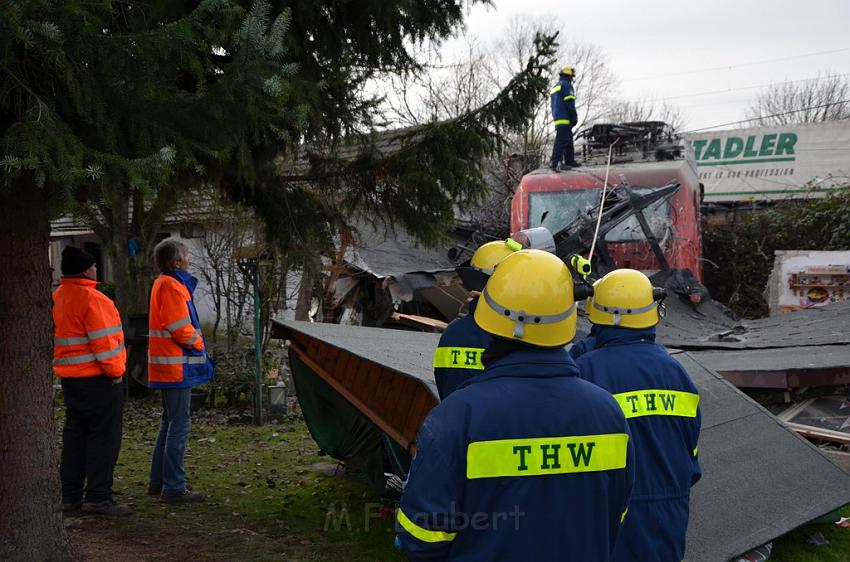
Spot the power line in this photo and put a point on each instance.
(737, 101)
(767, 116)
(731, 66)
(754, 87)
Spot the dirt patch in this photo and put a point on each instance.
(108, 540)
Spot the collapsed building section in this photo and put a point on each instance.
(364, 392)
(381, 278)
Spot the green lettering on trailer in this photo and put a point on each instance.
(734, 146)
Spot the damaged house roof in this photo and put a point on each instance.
(393, 254)
(406, 268)
(826, 325)
(802, 348)
(760, 479)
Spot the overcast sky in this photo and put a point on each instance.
(728, 47)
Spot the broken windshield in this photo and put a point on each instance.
(558, 209)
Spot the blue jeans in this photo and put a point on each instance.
(170, 447)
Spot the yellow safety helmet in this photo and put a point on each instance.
(488, 255)
(484, 261)
(568, 70)
(529, 299)
(624, 297)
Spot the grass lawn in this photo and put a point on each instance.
(793, 547)
(272, 497)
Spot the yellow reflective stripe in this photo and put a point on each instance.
(116, 329)
(193, 339)
(75, 359)
(104, 355)
(421, 533)
(623, 516)
(176, 359)
(546, 455)
(458, 358)
(696, 450)
(562, 121)
(555, 90)
(654, 402)
(70, 341)
(569, 98)
(174, 326)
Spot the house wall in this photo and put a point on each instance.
(204, 301)
(84, 240)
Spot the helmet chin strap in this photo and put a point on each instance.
(521, 317)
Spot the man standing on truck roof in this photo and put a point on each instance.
(661, 405)
(525, 461)
(563, 99)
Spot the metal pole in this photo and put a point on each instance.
(258, 347)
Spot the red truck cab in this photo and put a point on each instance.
(555, 199)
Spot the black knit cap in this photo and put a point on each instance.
(75, 261)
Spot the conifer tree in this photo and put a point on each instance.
(116, 109)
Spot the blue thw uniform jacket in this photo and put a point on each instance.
(563, 100)
(525, 461)
(581, 347)
(458, 355)
(661, 404)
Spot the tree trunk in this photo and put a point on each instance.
(145, 226)
(133, 277)
(130, 215)
(31, 525)
(114, 245)
(311, 283)
(305, 297)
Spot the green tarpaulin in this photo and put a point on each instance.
(343, 432)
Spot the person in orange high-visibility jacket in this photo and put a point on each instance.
(89, 358)
(177, 361)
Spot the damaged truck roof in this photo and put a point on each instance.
(760, 479)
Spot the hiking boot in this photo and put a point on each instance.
(106, 507)
(186, 496)
(71, 506)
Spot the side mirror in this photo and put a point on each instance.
(539, 238)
